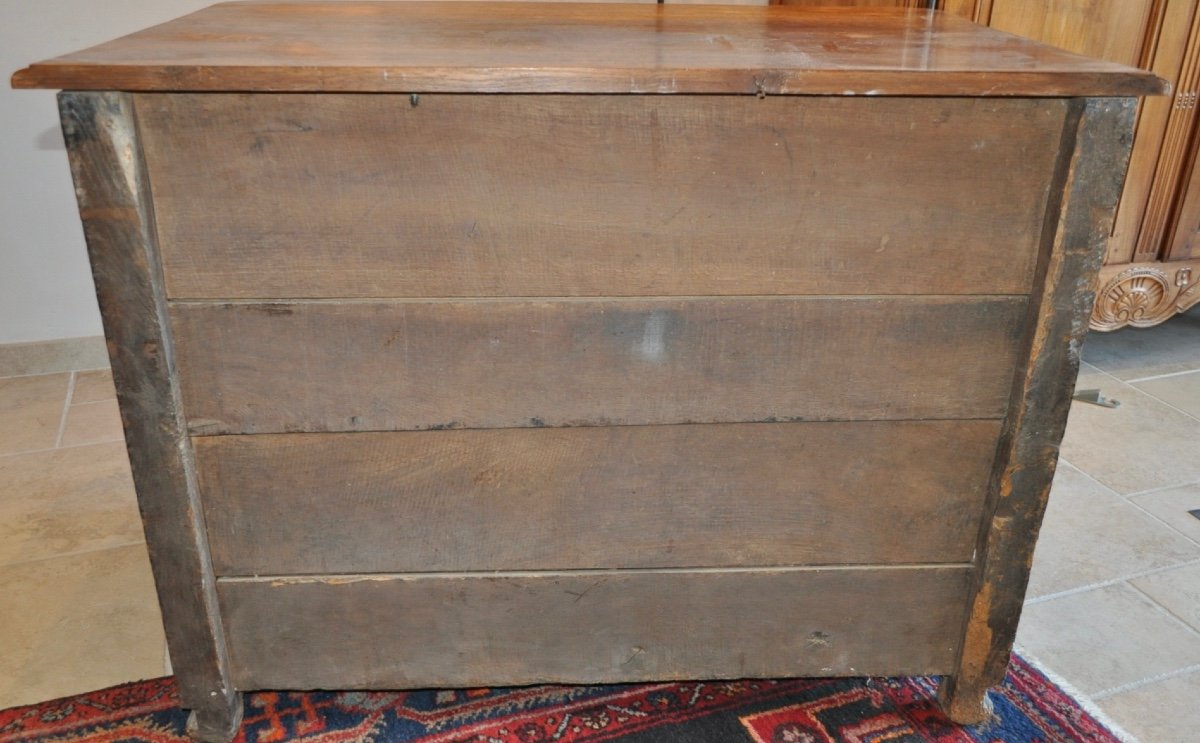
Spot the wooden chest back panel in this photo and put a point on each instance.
(578, 498)
(371, 196)
(864, 280)
(395, 632)
(404, 365)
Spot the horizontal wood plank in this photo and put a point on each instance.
(581, 48)
(391, 365)
(370, 196)
(395, 632)
(613, 497)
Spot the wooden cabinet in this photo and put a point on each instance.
(503, 344)
(1152, 268)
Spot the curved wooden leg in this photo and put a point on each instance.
(965, 703)
(216, 724)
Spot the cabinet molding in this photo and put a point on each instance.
(1142, 295)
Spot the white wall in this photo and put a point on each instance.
(45, 284)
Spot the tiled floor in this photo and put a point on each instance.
(1114, 600)
(78, 610)
(1114, 603)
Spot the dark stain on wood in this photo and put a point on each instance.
(1096, 150)
(511, 363)
(118, 222)
(573, 498)
(392, 631)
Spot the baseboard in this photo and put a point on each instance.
(47, 357)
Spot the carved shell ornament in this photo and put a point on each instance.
(1189, 296)
(1137, 297)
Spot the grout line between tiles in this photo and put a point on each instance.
(1159, 400)
(62, 421)
(1134, 685)
(1162, 376)
(1165, 610)
(1110, 582)
(1164, 522)
(1139, 506)
(74, 553)
(1158, 489)
(60, 448)
(47, 374)
(93, 402)
(1087, 701)
(1128, 497)
(1096, 480)
(1110, 376)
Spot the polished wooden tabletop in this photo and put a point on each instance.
(580, 48)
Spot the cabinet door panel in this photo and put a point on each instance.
(854, 3)
(1110, 29)
(1184, 242)
(1158, 35)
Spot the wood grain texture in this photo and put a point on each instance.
(578, 498)
(395, 632)
(118, 223)
(973, 10)
(581, 48)
(856, 3)
(344, 366)
(1105, 29)
(369, 196)
(1164, 48)
(1095, 155)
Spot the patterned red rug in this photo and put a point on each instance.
(1028, 708)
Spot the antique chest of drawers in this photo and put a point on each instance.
(463, 344)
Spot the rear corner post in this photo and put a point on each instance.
(1095, 151)
(112, 188)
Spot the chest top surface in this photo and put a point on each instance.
(265, 45)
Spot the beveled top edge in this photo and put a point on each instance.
(383, 46)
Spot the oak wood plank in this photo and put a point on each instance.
(370, 196)
(614, 497)
(118, 223)
(581, 48)
(394, 632)
(1095, 152)
(294, 367)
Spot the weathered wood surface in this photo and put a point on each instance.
(369, 196)
(118, 223)
(388, 365)
(395, 632)
(1095, 154)
(615, 497)
(581, 48)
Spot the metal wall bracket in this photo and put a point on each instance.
(1096, 397)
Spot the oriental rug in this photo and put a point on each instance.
(1028, 708)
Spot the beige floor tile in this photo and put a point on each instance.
(1092, 535)
(1178, 591)
(1106, 637)
(48, 357)
(30, 411)
(93, 385)
(93, 423)
(1141, 445)
(73, 624)
(1181, 391)
(1163, 712)
(66, 500)
(1133, 353)
(1173, 506)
